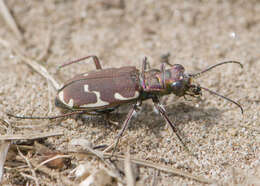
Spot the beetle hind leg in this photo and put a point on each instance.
(95, 59)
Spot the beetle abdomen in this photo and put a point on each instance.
(100, 89)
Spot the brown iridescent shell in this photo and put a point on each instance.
(100, 89)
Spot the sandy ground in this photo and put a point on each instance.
(196, 33)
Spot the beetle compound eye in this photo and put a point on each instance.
(176, 85)
(178, 88)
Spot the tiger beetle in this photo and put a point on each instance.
(104, 90)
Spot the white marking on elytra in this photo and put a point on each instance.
(120, 97)
(71, 103)
(86, 74)
(61, 97)
(86, 88)
(99, 102)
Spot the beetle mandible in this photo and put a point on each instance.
(104, 90)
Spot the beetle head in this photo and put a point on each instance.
(175, 81)
(179, 83)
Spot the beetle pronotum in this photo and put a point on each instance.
(104, 90)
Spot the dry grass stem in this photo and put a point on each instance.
(31, 136)
(128, 169)
(9, 19)
(3, 153)
(47, 46)
(49, 97)
(29, 176)
(40, 69)
(113, 144)
(155, 177)
(22, 147)
(4, 148)
(108, 163)
(33, 64)
(163, 168)
(152, 165)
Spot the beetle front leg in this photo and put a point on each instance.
(129, 116)
(163, 113)
(95, 59)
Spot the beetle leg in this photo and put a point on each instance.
(145, 65)
(144, 68)
(163, 74)
(165, 59)
(95, 59)
(163, 113)
(125, 125)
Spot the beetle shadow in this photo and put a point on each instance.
(180, 114)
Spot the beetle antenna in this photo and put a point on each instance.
(223, 97)
(47, 117)
(211, 67)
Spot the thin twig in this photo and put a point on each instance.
(155, 177)
(46, 47)
(30, 166)
(31, 136)
(3, 153)
(167, 169)
(108, 163)
(113, 144)
(28, 176)
(9, 19)
(49, 97)
(5, 145)
(128, 169)
(40, 69)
